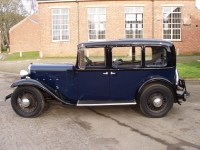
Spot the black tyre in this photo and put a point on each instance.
(156, 100)
(27, 101)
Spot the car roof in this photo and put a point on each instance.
(125, 42)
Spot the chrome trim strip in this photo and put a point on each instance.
(106, 104)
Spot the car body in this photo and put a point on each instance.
(118, 72)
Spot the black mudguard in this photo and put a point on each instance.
(38, 85)
(157, 79)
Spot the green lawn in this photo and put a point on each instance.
(189, 70)
(25, 56)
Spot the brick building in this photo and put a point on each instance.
(25, 36)
(65, 23)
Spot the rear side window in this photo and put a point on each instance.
(155, 56)
(126, 57)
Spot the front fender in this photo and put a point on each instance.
(34, 83)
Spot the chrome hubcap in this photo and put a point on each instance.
(25, 102)
(157, 102)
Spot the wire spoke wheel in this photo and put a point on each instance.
(27, 101)
(156, 100)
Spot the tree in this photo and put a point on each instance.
(31, 6)
(11, 12)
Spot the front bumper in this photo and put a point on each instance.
(182, 91)
(8, 96)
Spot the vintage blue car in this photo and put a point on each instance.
(120, 72)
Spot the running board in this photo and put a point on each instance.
(105, 103)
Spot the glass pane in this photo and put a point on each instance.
(55, 11)
(166, 36)
(176, 36)
(64, 11)
(167, 9)
(91, 10)
(56, 27)
(126, 57)
(101, 10)
(176, 9)
(64, 27)
(56, 35)
(56, 17)
(94, 57)
(55, 22)
(155, 56)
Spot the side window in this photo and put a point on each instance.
(126, 57)
(94, 57)
(155, 56)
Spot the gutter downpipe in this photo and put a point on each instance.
(152, 18)
(78, 21)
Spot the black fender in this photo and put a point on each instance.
(38, 85)
(156, 80)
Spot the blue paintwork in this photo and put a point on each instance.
(124, 84)
(91, 84)
(57, 76)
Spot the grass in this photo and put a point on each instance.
(187, 65)
(25, 55)
(189, 70)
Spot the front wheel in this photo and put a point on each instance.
(156, 100)
(27, 101)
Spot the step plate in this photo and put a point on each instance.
(105, 103)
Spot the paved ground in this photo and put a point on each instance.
(99, 128)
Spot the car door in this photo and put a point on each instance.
(93, 84)
(125, 74)
(93, 79)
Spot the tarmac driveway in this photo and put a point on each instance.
(99, 128)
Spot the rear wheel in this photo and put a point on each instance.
(27, 101)
(156, 100)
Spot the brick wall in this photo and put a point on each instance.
(115, 26)
(49, 47)
(190, 36)
(25, 36)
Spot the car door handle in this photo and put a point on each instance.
(112, 73)
(106, 73)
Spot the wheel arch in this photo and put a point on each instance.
(38, 85)
(156, 80)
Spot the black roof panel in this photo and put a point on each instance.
(124, 42)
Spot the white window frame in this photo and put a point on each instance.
(172, 23)
(134, 26)
(99, 24)
(68, 24)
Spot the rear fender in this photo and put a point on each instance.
(38, 85)
(160, 80)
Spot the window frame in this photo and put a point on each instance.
(155, 65)
(60, 30)
(89, 29)
(133, 35)
(172, 23)
(132, 66)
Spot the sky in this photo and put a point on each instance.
(198, 3)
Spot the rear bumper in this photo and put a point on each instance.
(182, 91)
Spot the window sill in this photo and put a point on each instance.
(96, 40)
(173, 40)
(60, 41)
